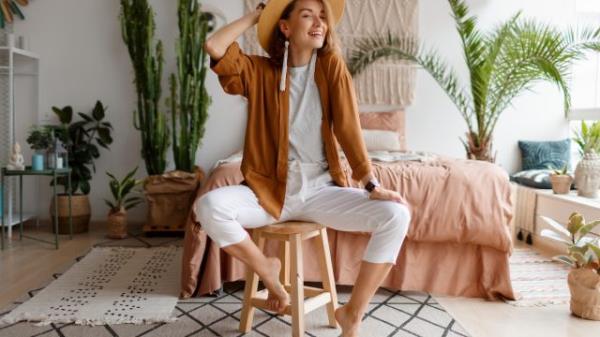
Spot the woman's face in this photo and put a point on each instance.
(307, 24)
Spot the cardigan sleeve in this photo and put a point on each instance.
(235, 70)
(346, 123)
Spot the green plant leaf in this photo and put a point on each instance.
(547, 233)
(566, 260)
(65, 115)
(557, 227)
(98, 111)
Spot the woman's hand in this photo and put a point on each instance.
(259, 9)
(380, 193)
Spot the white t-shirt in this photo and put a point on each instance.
(306, 156)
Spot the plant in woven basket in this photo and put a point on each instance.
(117, 214)
(502, 64)
(583, 256)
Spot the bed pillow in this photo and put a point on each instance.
(533, 178)
(386, 121)
(546, 154)
(381, 140)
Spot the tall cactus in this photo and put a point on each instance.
(137, 28)
(189, 98)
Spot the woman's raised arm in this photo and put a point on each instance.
(216, 45)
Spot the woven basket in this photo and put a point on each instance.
(80, 211)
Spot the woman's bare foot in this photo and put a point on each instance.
(278, 298)
(349, 322)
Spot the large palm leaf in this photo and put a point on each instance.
(501, 64)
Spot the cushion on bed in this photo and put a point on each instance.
(386, 121)
(533, 178)
(545, 154)
(381, 140)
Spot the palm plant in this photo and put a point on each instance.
(502, 64)
(189, 99)
(137, 28)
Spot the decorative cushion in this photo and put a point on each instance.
(387, 121)
(533, 178)
(546, 154)
(380, 140)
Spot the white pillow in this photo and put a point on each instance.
(381, 140)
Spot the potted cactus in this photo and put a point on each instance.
(583, 256)
(117, 214)
(561, 181)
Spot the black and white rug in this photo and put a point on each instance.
(390, 314)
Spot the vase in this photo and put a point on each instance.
(37, 162)
(587, 175)
(584, 285)
(561, 183)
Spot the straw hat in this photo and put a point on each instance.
(269, 18)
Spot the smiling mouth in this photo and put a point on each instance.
(315, 34)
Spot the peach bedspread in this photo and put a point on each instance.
(458, 242)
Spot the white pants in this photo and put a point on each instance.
(225, 212)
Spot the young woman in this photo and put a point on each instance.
(301, 102)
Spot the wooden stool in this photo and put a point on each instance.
(291, 234)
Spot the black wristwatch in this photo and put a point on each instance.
(370, 186)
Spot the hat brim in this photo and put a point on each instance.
(269, 18)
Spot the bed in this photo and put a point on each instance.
(458, 243)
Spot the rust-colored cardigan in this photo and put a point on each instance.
(265, 156)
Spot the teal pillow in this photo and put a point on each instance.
(537, 155)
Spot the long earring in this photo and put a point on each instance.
(284, 68)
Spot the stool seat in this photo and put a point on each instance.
(291, 227)
(303, 299)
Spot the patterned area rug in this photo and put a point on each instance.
(111, 285)
(537, 279)
(390, 314)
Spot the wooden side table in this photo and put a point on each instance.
(54, 173)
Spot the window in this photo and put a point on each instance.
(585, 84)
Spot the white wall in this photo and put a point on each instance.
(83, 59)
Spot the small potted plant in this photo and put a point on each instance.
(117, 214)
(561, 181)
(583, 256)
(39, 139)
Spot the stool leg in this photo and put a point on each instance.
(327, 275)
(284, 257)
(250, 289)
(297, 277)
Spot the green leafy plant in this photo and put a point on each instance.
(120, 189)
(137, 30)
(39, 137)
(82, 138)
(588, 137)
(564, 171)
(189, 99)
(501, 63)
(583, 250)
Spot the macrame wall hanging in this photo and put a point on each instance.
(386, 82)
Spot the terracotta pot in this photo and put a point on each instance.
(561, 183)
(80, 211)
(117, 224)
(584, 285)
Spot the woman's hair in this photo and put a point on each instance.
(276, 47)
